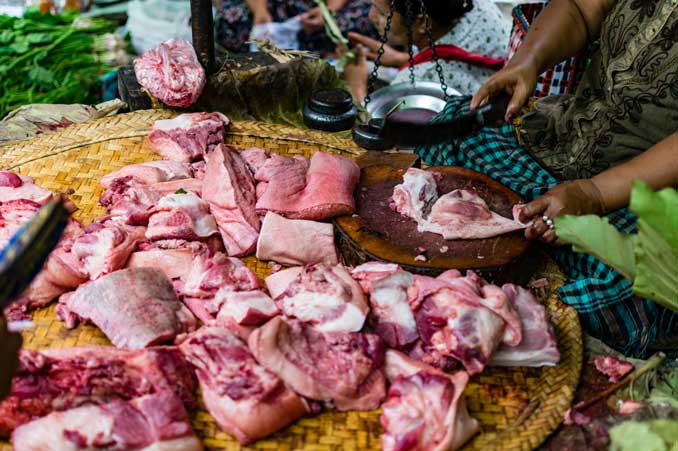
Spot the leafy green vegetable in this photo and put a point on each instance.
(20, 45)
(649, 258)
(180, 191)
(666, 390)
(333, 31)
(6, 36)
(38, 38)
(41, 77)
(655, 435)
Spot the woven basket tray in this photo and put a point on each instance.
(517, 407)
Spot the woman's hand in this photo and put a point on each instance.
(356, 74)
(517, 80)
(9, 348)
(312, 21)
(261, 16)
(391, 56)
(580, 197)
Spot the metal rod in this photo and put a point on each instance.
(202, 25)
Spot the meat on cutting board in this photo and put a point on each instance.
(425, 409)
(188, 136)
(229, 190)
(152, 422)
(150, 172)
(538, 346)
(171, 72)
(288, 241)
(326, 297)
(61, 379)
(341, 367)
(322, 191)
(415, 196)
(247, 401)
(134, 308)
(181, 216)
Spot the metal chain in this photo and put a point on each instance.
(409, 23)
(380, 53)
(431, 43)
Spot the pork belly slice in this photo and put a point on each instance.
(392, 317)
(188, 136)
(151, 422)
(425, 409)
(134, 308)
(61, 379)
(326, 297)
(339, 367)
(229, 190)
(181, 216)
(322, 191)
(296, 242)
(247, 401)
(415, 196)
(255, 158)
(538, 346)
(149, 173)
(175, 263)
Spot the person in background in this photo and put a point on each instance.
(471, 39)
(10, 343)
(235, 18)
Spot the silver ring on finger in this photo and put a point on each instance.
(549, 222)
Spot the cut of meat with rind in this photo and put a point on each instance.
(188, 136)
(150, 172)
(246, 308)
(425, 408)
(181, 216)
(538, 346)
(338, 367)
(212, 271)
(415, 196)
(324, 190)
(151, 422)
(171, 72)
(286, 241)
(134, 308)
(246, 400)
(175, 263)
(370, 272)
(61, 379)
(278, 282)
(393, 319)
(326, 297)
(229, 189)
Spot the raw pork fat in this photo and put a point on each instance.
(393, 319)
(188, 136)
(255, 158)
(413, 198)
(15, 187)
(370, 272)
(181, 216)
(149, 173)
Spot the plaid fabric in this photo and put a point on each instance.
(564, 77)
(608, 309)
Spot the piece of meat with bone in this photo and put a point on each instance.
(392, 318)
(134, 308)
(229, 190)
(105, 245)
(326, 297)
(149, 173)
(61, 379)
(247, 401)
(339, 367)
(188, 136)
(152, 422)
(171, 72)
(425, 409)
(286, 241)
(323, 191)
(181, 216)
(255, 158)
(538, 346)
(415, 196)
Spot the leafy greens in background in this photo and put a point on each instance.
(655, 435)
(333, 31)
(648, 258)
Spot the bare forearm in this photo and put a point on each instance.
(336, 5)
(658, 167)
(257, 6)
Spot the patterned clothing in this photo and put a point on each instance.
(233, 23)
(484, 31)
(607, 308)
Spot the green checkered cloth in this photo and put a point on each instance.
(607, 308)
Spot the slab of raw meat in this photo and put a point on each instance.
(175, 263)
(198, 168)
(415, 196)
(181, 216)
(246, 308)
(323, 191)
(425, 408)
(150, 172)
(134, 308)
(255, 158)
(229, 189)
(326, 297)
(278, 282)
(370, 272)
(15, 186)
(614, 368)
(392, 318)
(341, 367)
(171, 72)
(538, 346)
(247, 401)
(60, 379)
(105, 245)
(287, 241)
(211, 271)
(188, 136)
(152, 422)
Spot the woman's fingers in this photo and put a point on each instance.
(368, 42)
(517, 101)
(536, 229)
(534, 208)
(549, 237)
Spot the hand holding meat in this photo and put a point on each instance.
(9, 347)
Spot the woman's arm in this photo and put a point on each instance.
(259, 10)
(560, 30)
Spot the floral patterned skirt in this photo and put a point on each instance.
(233, 23)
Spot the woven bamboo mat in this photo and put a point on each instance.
(517, 407)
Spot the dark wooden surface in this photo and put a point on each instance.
(202, 26)
(130, 91)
